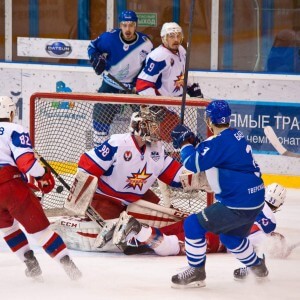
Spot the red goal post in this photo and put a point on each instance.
(61, 128)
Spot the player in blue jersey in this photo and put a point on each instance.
(235, 178)
(121, 52)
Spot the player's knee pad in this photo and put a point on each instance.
(192, 228)
(231, 242)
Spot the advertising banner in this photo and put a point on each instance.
(251, 117)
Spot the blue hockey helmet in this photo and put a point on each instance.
(128, 16)
(218, 111)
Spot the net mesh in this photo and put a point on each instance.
(62, 127)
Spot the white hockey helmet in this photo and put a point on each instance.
(275, 195)
(169, 28)
(145, 123)
(6, 107)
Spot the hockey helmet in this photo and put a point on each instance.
(275, 195)
(6, 107)
(169, 28)
(218, 111)
(128, 16)
(145, 123)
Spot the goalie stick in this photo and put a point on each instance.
(272, 137)
(90, 212)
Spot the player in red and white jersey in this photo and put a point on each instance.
(127, 165)
(18, 203)
(164, 71)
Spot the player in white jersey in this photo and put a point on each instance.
(164, 71)
(235, 178)
(121, 53)
(18, 203)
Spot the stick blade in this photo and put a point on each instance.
(270, 134)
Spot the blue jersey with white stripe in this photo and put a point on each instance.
(230, 168)
(123, 60)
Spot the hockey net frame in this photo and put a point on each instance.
(57, 118)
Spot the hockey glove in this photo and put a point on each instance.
(46, 182)
(194, 90)
(182, 133)
(98, 62)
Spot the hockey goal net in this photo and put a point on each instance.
(61, 127)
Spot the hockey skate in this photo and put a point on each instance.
(33, 268)
(126, 228)
(105, 235)
(190, 278)
(260, 271)
(70, 268)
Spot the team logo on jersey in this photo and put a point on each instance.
(172, 62)
(138, 179)
(155, 155)
(127, 155)
(178, 82)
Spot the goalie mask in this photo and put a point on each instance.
(6, 107)
(275, 196)
(145, 123)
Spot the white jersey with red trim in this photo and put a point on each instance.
(126, 171)
(163, 73)
(16, 150)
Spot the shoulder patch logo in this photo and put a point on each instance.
(155, 155)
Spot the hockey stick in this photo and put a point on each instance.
(272, 137)
(90, 212)
(187, 62)
(123, 86)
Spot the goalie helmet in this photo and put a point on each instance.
(170, 28)
(145, 123)
(218, 111)
(128, 16)
(6, 107)
(275, 195)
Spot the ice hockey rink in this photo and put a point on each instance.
(116, 276)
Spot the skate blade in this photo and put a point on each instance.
(252, 277)
(196, 284)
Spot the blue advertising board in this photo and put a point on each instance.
(251, 117)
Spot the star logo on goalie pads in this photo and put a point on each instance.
(138, 179)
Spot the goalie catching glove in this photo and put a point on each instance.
(46, 182)
(98, 62)
(194, 181)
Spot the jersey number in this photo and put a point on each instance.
(104, 150)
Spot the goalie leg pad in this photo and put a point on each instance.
(154, 215)
(80, 234)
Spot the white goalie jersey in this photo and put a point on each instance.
(125, 171)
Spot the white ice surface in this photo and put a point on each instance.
(116, 276)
